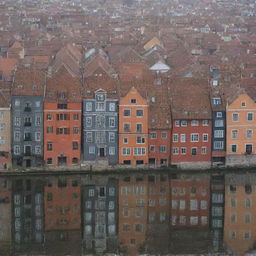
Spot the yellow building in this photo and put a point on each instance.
(241, 131)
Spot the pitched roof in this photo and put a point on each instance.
(7, 66)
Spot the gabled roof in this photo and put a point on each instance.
(151, 43)
(7, 66)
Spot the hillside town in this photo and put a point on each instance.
(127, 127)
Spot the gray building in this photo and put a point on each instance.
(99, 215)
(100, 126)
(27, 131)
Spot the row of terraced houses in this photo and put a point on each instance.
(138, 117)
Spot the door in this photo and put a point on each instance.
(27, 150)
(28, 162)
(62, 160)
(102, 152)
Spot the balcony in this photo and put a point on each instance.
(27, 109)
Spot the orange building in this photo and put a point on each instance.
(133, 129)
(133, 198)
(62, 119)
(62, 202)
(239, 220)
(241, 130)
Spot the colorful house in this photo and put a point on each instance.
(133, 129)
(62, 119)
(241, 145)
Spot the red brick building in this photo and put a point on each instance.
(192, 127)
(62, 119)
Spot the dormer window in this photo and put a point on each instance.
(216, 101)
(100, 97)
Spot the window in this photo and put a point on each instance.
(140, 140)
(183, 123)
(247, 235)
(111, 137)
(17, 103)
(17, 121)
(183, 138)
(164, 135)
(175, 151)
(203, 205)
(88, 106)
(203, 150)
(182, 220)
(219, 114)
(75, 130)
(183, 151)
(139, 151)
(182, 204)
(1, 115)
(133, 100)
(127, 112)
(194, 220)
(62, 117)
(138, 127)
(235, 117)
(138, 227)
(233, 148)
(218, 145)
(49, 160)
(247, 203)
(125, 140)
(88, 121)
(205, 122)
(232, 202)
(75, 116)
(249, 133)
(204, 220)
(216, 101)
(38, 136)
(248, 148)
(219, 123)
(194, 137)
(193, 151)
(49, 146)
(205, 137)
(249, 116)
(62, 130)
(75, 145)
(16, 150)
(232, 189)
(248, 189)
(38, 120)
(219, 134)
(177, 123)
(163, 149)
(112, 106)
(243, 104)
(234, 134)
(194, 123)
(91, 150)
(37, 150)
(139, 112)
(100, 106)
(112, 122)
(127, 127)
(126, 151)
(2, 127)
(175, 137)
(232, 234)
(152, 148)
(89, 137)
(49, 129)
(112, 151)
(153, 135)
(247, 218)
(49, 117)
(193, 205)
(62, 106)
(17, 136)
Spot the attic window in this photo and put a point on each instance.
(34, 87)
(19, 86)
(243, 104)
(62, 95)
(133, 100)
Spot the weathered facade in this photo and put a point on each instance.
(100, 129)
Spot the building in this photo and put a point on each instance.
(62, 205)
(100, 129)
(133, 213)
(100, 215)
(5, 133)
(27, 118)
(239, 220)
(6, 216)
(27, 215)
(192, 126)
(133, 129)
(62, 120)
(241, 112)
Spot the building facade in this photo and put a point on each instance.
(133, 129)
(100, 129)
(62, 120)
